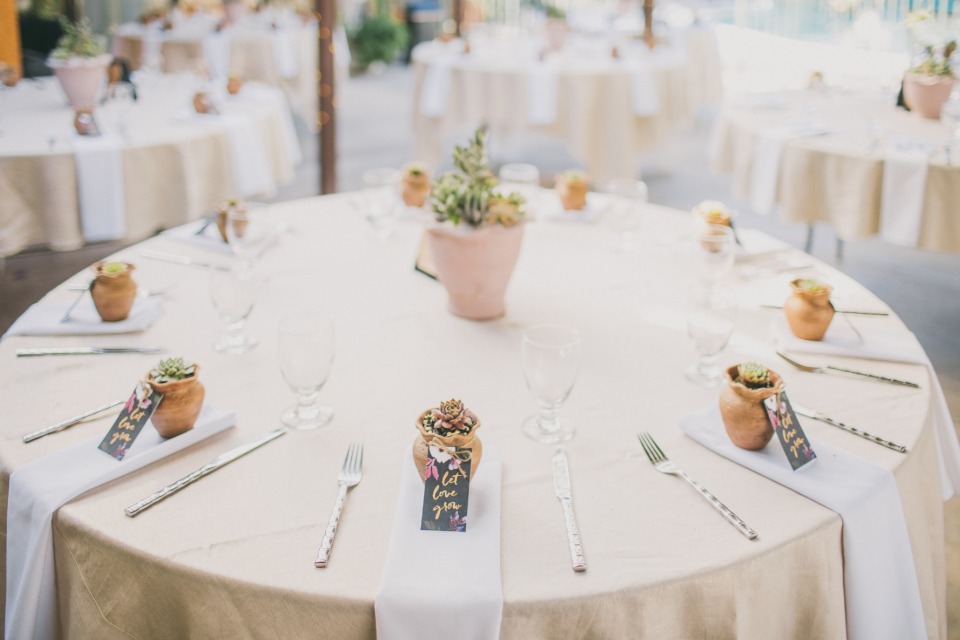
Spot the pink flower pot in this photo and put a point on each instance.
(925, 95)
(82, 79)
(475, 265)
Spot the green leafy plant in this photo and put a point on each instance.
(753, 375)
(811, 285)
(172, 369)
(377, 39)
(553, 11)
(78, 41)
(114, 267)
(466, 194)
(936, 60)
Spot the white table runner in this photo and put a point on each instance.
(99, 162)
(765, 172)
(905, 167)
(542, 90)
(436, 87)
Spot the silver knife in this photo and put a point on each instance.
(180, 259)
(816, 415)
(561, 484)
(220, 461)
(84, 351)
(60, 426)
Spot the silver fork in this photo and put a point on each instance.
(828, 368)
(663, 464)
(350, 474)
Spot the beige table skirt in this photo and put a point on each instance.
(232, 556)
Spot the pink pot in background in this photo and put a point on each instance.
(82, 79)
(233, 12)
(926, 95)
(556, 33)
(475, 265)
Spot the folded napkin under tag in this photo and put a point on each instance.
(436, 87)
(542, 82)
(879, 577)
(766, 161)
(895, 345)
(38, 489)
(100, 190)
(44, 318)
(412, 603)
(905, 165)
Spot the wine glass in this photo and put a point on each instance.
(249, 231)
(711, 314)
(551, 361)
(380, 198)
(306, 348)
(233, 293)
(623, 215)
(715, 251)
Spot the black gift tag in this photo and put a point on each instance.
(446, 489)
(129, 423)
(789, 432)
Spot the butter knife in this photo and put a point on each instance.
(60, 426)
(561, 485)
(85, 351)
(816, 415)
(220, 461)
(176, 258)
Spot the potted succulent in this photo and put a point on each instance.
(741, 404)
(183, 395)
(713, 212)
(477, 240)
(80, 63)
(808, 309)
(113, 290)
(441, 431)
(224, 209)
(416, 185)
(234, 84)
(927, 85)
(572, 187)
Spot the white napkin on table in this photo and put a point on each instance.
(99, 165)
(38, 489)
(765, 172)
(285, 52)
(895, 345)
(879, 577)
(905, 165)
(44, 318)
(436, 87)
(409, 606)
(542, 89)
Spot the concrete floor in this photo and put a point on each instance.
(374, 131)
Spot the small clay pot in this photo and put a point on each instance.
(202, 103)
(181, 404)
(573, 193)
(421, 448)
(809, 314)
(743, 413)
(234, 84)
(416, 187)
(240, 226)
(113, 293)
(714, 238)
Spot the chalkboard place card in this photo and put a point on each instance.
(128, 425)
(446, 489)
(789, 432)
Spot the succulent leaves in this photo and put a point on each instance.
(753, 375)
(172, 369)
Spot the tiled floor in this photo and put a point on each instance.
(374, 131)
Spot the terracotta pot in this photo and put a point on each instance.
(240, 225)
(925, 95)
(113, 293)
(743, 413)
(420, 446)
(202, 103)
(181, 404)
(82, 79)
(809, 314)
(475, 266)
(573, 193)
(415, 189)
(234, 84)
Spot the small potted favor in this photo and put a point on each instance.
(441, 431)
(224, 209)
(808, 309)
(234, 84)
(113, 290)
(416, 185)
(183, 395)
(713, 212)
(741, 404)
(572, 187)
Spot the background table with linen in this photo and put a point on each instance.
(233, 554)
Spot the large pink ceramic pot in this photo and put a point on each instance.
(475, 265)
(556, 30)
(925, 95)
(81, 79)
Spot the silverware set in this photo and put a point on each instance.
(833, 369)
(84, 351)
(816, 415)
(561, 485)
(351, 472)
(66, 424)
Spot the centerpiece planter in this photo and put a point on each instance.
(808, 309)
(183, 395)
(925, 95)
(80, 63)
(928, 84)
(741, 404)
(441, 431)
(113, 290)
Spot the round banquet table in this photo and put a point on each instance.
(837, 175)
(176, 165)
(232, 556)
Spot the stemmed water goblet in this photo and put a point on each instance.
(234, 293)
(715, 252)
(710, 316)
(306, 348)
(623, 214)
(381, 198)
(551, 362)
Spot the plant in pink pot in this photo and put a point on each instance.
(928, 84)
(80, 63)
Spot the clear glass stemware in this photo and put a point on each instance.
(551, 362)
(711, 316)
(306, 347)
(234, 293)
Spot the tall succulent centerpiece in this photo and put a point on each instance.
(80, 63)
(476, 241)
(928, 84)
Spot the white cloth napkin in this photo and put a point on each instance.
(251, 172)
(285, 52)
(99, 162)
(208, 238)
(409, 606)
(905, 167)
(644, 94)
(896, 345)
(216, 53)
(38, 489)
(765, 172)
(542, 89)
(436, 88)
(44, 318)
(879, 577)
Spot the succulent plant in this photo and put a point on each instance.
(466, 193)
(573, 176)
(416, 170)
(78, 41)
(172, 369)
(811, 285)
(753, 375)
(114, 267)
(450, 418)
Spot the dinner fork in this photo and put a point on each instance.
(663, 464)
(828, 368)
(350, 474)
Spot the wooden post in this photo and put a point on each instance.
(458, 15)
(648, 22)
(10, 35)
(326, 90)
